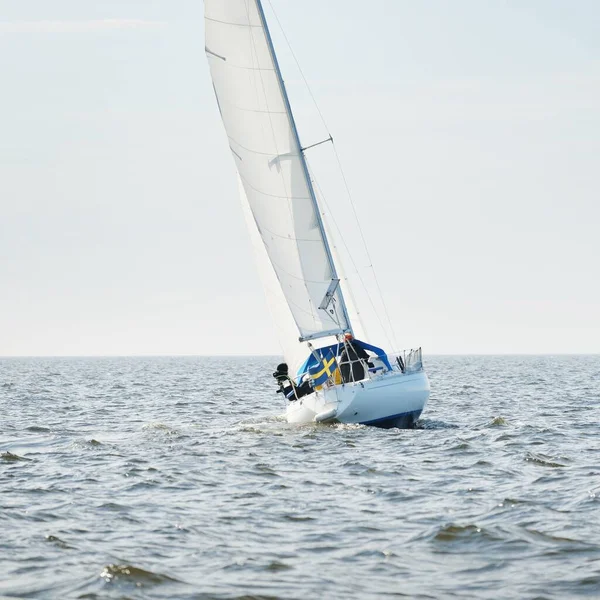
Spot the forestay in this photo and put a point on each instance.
(269, 160)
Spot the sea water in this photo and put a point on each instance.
(179, 478)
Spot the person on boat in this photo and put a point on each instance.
(353, 360)
(287, 387)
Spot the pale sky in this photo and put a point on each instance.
(469, 132)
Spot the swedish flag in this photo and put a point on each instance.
(321, 372)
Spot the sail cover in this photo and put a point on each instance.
(269, 160)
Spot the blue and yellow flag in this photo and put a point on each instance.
(327, 368)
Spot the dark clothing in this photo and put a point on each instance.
(351, 367)
(304, 389)
(283, 380)
(287, 387)
(294, 392)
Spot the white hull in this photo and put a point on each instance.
(390, 400)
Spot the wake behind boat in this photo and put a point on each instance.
(330, 373)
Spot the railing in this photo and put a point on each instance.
(406, 361)
(347, 368)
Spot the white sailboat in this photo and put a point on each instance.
(331, 374)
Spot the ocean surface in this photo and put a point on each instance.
(178, 478)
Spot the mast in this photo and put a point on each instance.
(309, 184)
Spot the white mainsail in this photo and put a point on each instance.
(265, 146)
(295, 353)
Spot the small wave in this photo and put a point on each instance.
(52, 539)
(278, 566)
(344, 426)
(262, 424)
(247, 495)
(550, 538)
(298, 518)
(141, 577)
(542, 460)
(459, 533)
(10, 457)
(260, 430)
(515, 501)
(461, 446)
(373, 553)
(593, 580)
(160, 428)
(252, 597)
(433, 424)
(87, 444)
(37, 428)
(265, 469)
(113, 506)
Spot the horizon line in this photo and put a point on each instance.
(9, 356)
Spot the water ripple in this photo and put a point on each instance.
(180, 478)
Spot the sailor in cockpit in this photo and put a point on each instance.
(353, 360)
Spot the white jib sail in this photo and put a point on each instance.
(270, 164)
(285, 327)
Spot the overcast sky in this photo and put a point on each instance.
(469, 132)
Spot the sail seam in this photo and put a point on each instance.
(258, 151)
(231, 23)
(255, 110)
(229, 64)
(291, 239)
(272, 195)
(284, 272)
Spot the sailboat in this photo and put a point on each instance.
(331, 374)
